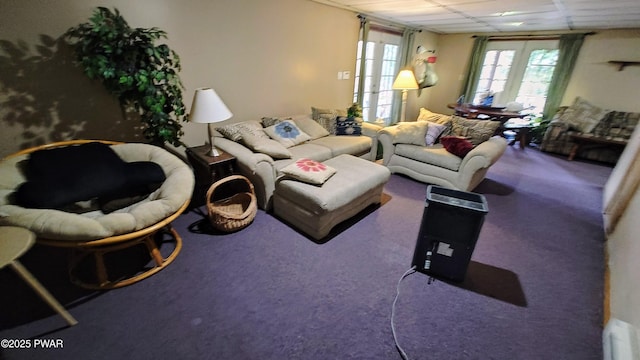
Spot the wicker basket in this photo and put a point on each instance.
(231, 203)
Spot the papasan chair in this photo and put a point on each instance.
(153, 188)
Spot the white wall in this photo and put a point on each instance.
(593, 78)
(263, 58)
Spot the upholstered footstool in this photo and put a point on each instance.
(315, 210)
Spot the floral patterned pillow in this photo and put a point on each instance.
(309, 171)
(287, 133)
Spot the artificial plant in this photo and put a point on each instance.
(132, 66)
(355, 110)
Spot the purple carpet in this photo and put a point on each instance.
(533, 289)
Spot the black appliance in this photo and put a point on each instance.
(451, 224)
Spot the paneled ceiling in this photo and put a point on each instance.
(491, 16)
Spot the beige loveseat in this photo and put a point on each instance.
(433, 164)
(261, 164)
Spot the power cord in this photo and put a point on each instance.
(393, 311)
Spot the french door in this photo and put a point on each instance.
(381, 66)
(518, 71)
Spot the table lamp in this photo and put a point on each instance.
(405, 81)
(207, 108)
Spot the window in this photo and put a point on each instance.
(381, 66)
(518, 71)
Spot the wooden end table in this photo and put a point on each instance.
(207, 170)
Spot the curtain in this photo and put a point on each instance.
(475, 66)
(406, 52)
(364, 34)
(568, 49)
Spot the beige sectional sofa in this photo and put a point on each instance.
(261, 164)
(433, 163)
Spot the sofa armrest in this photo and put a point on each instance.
(370, 129)
(257, 167)
(386, 138)
(485, 154)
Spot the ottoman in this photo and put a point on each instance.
(315, 210)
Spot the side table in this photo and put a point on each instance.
(521, 133)
(207, 170)
(14, 242)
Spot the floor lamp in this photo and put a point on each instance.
(405, 81)
(207, 108)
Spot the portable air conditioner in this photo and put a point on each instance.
(620, 341)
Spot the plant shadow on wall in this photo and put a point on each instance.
(46, 97)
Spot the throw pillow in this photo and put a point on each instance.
(287, 133)
(232, 131)
(310, 127)
(478, 131)
(327, 118)
(413, 132)
(309, 171)
(265, 146)
(426, 115)
(270, 120)
(456, 145)
(348, 126)
(433, 132)
(582, 115)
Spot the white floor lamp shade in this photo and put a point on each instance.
(207, 108)
(405, 81)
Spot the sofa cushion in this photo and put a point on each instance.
(266, 146)
(426, 115)
(435, 155)
(311, 150)
(411, 132)
(310, 127)
(232, 131)
(338, 145)
(582, 115)
(309, 171)
(477, 131)
(456, 145)
(287, 133)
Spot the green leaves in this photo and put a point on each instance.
(135, 69)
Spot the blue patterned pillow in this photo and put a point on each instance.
(348, 126)
(287, 133)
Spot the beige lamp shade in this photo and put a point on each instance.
(207, 107)
(405, 81)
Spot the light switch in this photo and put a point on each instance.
(346, 75)
(339, 75)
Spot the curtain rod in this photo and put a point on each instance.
(534, 37)
(381, 23)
